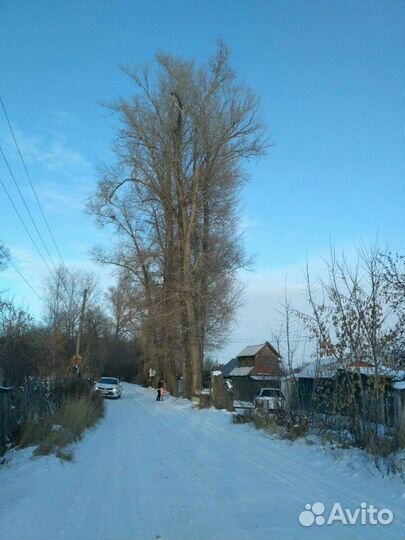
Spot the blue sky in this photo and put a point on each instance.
(331, 77)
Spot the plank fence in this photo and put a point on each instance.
(36, 399)
(15, 406)
(7, 417)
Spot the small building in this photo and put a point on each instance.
(257, 366)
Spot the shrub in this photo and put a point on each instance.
(33, 430)
(297, 429)
(70, 409)
(266, 422)
(69, 423)
(77, 414)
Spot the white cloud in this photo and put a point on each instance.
(64, 199)
(50, 149)
(63, 178)
(56, 199)
(55, 154)
(33, 269)
(264, 297)
(260, 314)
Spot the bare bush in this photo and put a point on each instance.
(355, 327)
(61, 417)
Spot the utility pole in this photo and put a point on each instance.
(76, 360)
(79, 335)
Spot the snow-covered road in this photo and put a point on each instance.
(166, 470)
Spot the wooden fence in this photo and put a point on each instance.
(36, 399)
(8, 421)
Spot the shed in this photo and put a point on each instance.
(257, 366)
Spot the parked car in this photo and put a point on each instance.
(109, 386)
(270, 399)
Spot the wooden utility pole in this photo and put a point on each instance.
(79, 335)
(76, 360)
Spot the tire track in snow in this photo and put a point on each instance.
(296, 468)
(176, 439)
(294, 476)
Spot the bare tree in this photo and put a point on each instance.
(394, 274)
(288, 341)
(353, 324)
(122, 303)
(18, 351)
(173, 198)
(63, 294)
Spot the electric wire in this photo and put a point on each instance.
(30, 180)
(6, 256)
(26, 206)
(24, 225)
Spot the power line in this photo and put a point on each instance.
(24, 225)
(27, 230)
(26, 206)
(282, 340)
(37, 200)
(27, 209)
(30, 181)
(20, 274)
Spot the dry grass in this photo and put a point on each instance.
(54, 432)
(277, 424)
(63, 454)
(381, 446)
(34, 430)
(78, 414)
(266, 422)
(401, 432)
(297, 430)
(53, 441)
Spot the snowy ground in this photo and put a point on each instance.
(165, 470)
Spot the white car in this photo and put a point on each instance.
(109, 387)
(270, 399)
